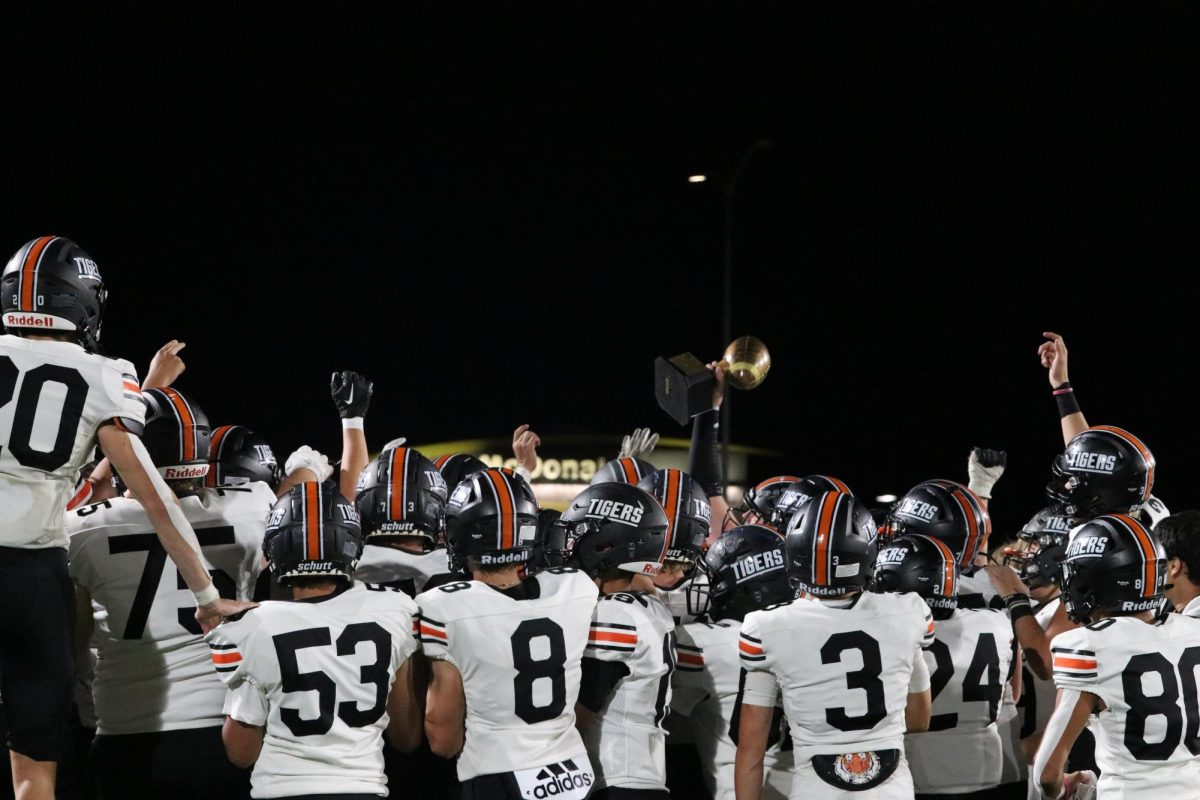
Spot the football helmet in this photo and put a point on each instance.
(919, 564)
(238, 455)
(177, 435)
(622, 470)
(52, 284)
(796, 496)
(614, 526)
(312, 532)
(831, 547)
(1041, 546)
(1104, 470)
(548, 543)
(1113, 564)
(758, 503)
(746, 570)
(687, 509)
(457, 466)
(401, 494)
(491, 516)
(947, 511)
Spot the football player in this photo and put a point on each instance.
(157, 700)
(402, 501)
(314, 683)
(746, 573)
(58, 399)
(971, 657)
(623, 470)
(688, 515)
(758, 506)
(1180, 536)
(1129, 667)
(616, 534)
(849, 665)
(796, 497)
(238, 456)
(457, 467)
(505, 652)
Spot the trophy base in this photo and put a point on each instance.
(683, 386)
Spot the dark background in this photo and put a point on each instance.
(490, 217)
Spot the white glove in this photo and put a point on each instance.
(394, 443)
(984, 468)
(307, 458)
(639, 444)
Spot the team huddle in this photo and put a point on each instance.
(184, 618)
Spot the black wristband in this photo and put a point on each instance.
(1018, 606)
(704, 456)
(1064, 395)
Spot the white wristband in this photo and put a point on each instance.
(352, 422)
(208, 594)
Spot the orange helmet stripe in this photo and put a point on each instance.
(842, 487)
(948, 565)
(671, 496)
(829, 505)
(214, 454)
(1136, 444)
(312, 521)
(29, 271)
(442, 460)
(973, 543)
(775, 480)
(187, 422)
(398, 485)
(629, 467)
(504, 495)
(1149, 554)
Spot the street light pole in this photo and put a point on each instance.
(730, 188)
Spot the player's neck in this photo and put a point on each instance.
(504, 579)
(1181, 593)
(315, 590)
(627, 582)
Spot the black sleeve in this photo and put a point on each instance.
(598, 680)
(704, 456)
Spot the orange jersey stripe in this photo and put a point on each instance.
(226, 658)
(749, 649)
(507, 516)
(930, 629)
(29, 272)
(432, 632)
(1074, 663)
(619, 638)
(312, 520)
(689, 658)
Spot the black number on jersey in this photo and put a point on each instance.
(866, 679)
(293, 680)
(450, 588)
(1028, 704)
(1165, 704)
(156, 561)
(982, 681)
(406, 585)
(23, 416)
(661, 709)
(530, 670)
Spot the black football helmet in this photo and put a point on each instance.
(548, 542)
(177, 435)
(796, 496)
(312, 532)
(1114, 564)
(491, 516)
(238, 455)
(52, 284)
(614, 526)
(1041, 547)
(687, 509)
(1104, 470)
(747, 570)
(947, 511)
(401, 494)
(758, 503)
(457, 466)
(831, 547)
(622, 470)
(919, 564)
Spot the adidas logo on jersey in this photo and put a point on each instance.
(614, 511)
(757, 564)
(558, 779)
(918, 509)
(1092, 462)
(1090, 546)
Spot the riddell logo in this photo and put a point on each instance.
(26, 320)
(559, 779)
(183, 473)
(651, 569)
(511, 557)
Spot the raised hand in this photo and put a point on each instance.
(351, 393)
(166, 366)
(1053, 355)
(525, 444)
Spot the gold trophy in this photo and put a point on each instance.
(683, 385)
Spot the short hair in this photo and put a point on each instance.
(1180, 537)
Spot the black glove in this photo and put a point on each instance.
(351, 393)
(990, 458)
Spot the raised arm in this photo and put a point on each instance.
(525, 444)
(1053, 355)
(351, 394)
(704, 455)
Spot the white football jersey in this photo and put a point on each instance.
(407, 571)
(706, 688)
(54, 396)
(316, 674)
(969, 662)
(520, 665)
(843, 670)
(1038, 696)
(977, 591)
(626, 741)
(1146, 740)
(154, 672)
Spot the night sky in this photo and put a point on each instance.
(490, 217)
